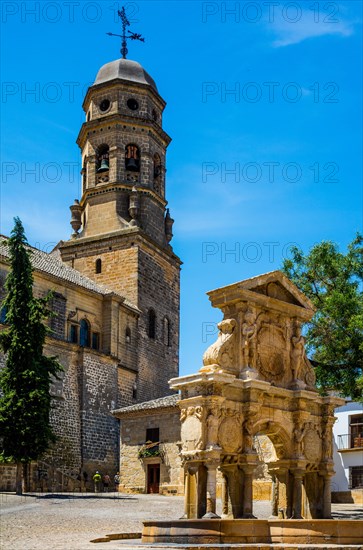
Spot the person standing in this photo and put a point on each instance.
(97, 481)
(106, 483)
(116, 481)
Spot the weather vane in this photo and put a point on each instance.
(124, 36)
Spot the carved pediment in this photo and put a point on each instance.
(272, 290)
(275, 289)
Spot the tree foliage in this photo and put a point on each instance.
(334, 283)
(25, 381)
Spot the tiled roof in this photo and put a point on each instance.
(48, 263)
(161, 403)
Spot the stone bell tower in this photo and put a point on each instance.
(122, 228)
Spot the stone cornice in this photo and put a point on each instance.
(123, 85)
(90, 244)
(117, 118)
(114, 187)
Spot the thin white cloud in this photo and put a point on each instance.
(288, 32)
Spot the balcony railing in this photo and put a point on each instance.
(348, 441)
(149, 450)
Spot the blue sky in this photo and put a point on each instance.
(265, 112)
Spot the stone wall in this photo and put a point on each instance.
(159, 289)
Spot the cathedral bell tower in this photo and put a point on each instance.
(121, 226)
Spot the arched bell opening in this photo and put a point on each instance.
(102, 163)
(132, 158)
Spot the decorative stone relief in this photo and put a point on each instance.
(248, 330)
(327, 439)
(312, 445)
(297, 356)
(298, 436)
(248, 432)
(230, 436)
(272, 360)
(213, 421)
(192, 428)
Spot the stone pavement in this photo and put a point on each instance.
(71, 521)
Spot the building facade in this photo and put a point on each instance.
(116, 280)
(150, 447)
(347, 482)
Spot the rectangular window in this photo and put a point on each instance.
(73, 334)
(152, 434)
(356, 431)
(356, 477)
(95, 340)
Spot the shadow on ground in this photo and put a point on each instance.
(73, 496)
(348, 514)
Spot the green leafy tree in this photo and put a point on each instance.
(25, 381)
(333, 282)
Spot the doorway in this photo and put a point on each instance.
(153, 478)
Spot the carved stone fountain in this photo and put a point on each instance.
(256, 380)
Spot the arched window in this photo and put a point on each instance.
(103, 159)
(84, 334)
(157, 173)
(98, 266)
(132, 158)
(152, 324)
(128, 335)
(167, 335)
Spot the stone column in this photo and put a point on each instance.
(289, 494)
(297, 494)
(280, 490)
(224, 496)
(248, 491)
(186, 495)
(190, 506)
(327, 495)
(275, 497)
(211, 490)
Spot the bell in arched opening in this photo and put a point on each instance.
(104, 166)
(132, 158)
(103, 162)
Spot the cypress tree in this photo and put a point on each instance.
(25, 405)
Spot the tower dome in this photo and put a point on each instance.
(124, 69)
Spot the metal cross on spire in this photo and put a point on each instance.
(132, 35)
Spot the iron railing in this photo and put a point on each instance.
(349, 441)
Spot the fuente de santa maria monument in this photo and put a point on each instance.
(256, 380)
